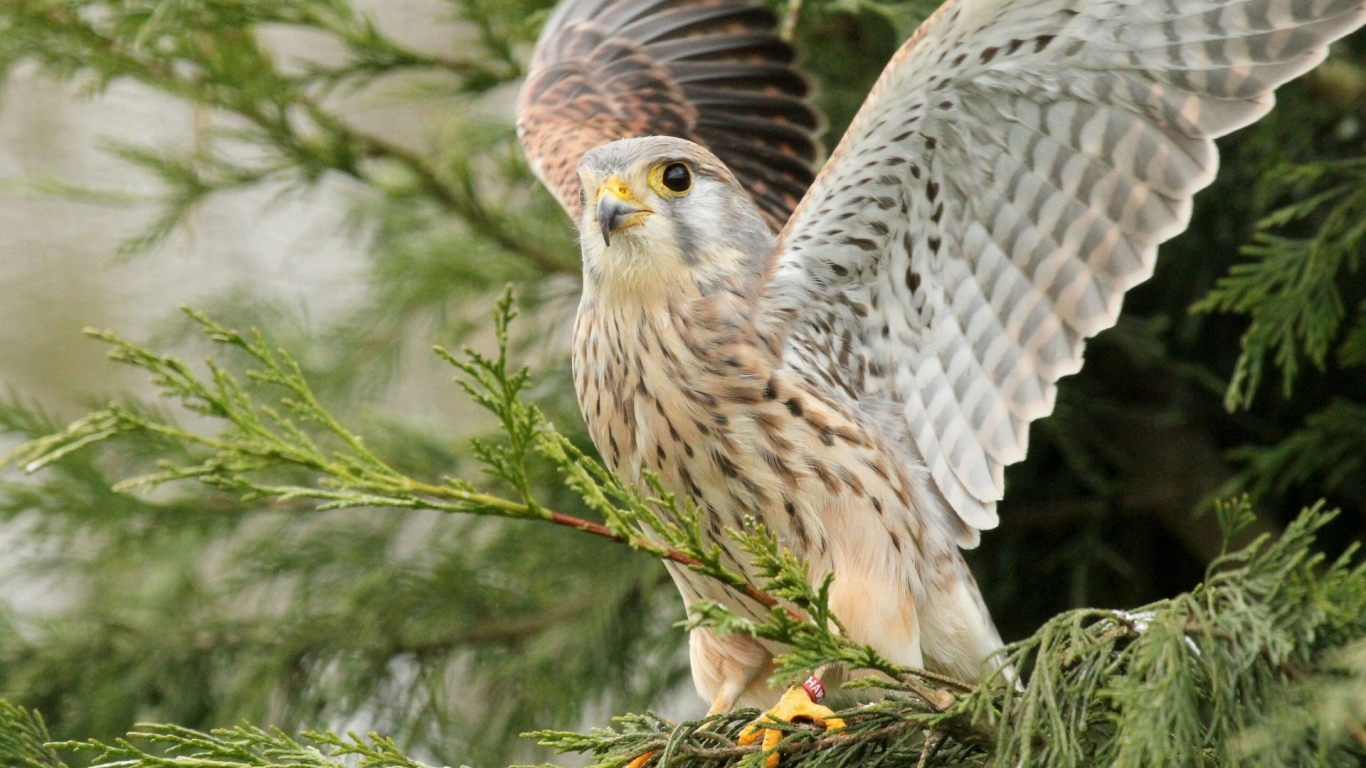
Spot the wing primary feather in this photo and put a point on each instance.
(710, 71)
(695, 20)
(776, 106)
(756, 46)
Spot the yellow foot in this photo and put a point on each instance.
(642, 760)
(795, 707)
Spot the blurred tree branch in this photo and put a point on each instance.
(258, 440)
(206, 52)
(1090, 682)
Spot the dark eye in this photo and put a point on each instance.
(677, 177)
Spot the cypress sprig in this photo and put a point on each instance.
(24, 740)
(1291, 286)
(170, 746)
(1260, 663)
(1172, 682)
(261, 442)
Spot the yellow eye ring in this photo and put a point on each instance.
(671, 179)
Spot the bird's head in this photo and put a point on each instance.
(662, 215)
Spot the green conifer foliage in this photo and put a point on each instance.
(258, 546)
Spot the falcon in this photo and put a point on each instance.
(852, 358)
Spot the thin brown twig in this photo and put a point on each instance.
(952, 682)
(1358, 734)
(932, 741)
(939, 699)
(521, 511)
(598, 529)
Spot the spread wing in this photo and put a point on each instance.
(711, 71)
(1009, 178)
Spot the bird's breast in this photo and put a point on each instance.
(702, 406)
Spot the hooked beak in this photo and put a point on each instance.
(618, 208)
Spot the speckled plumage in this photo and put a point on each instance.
(859, 383)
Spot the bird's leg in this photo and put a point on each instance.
(801, 704)
(729, 693)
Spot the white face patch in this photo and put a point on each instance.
(643, 259)
(711, 230)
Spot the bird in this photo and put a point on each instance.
(852, 356)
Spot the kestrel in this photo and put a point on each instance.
(854, 364)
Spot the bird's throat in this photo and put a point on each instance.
(631, 277)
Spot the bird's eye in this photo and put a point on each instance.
(677, 177)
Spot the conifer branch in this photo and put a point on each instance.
(1289, 286)
(260, 439)
(1330, 448)
(1084, 673)
(24, 740)
(260, 445)
(242, 747)
(258, 442)
(1262, 664)
(206, 52)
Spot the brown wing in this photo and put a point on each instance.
(710, 71)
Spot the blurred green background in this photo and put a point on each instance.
(344, 176)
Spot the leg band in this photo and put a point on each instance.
(814, 689)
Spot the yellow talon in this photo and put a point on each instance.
(794, 707)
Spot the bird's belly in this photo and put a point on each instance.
(783, 459)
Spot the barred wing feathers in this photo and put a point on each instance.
(711, 71)
(1009, 178)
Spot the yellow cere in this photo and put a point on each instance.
(621, 189)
